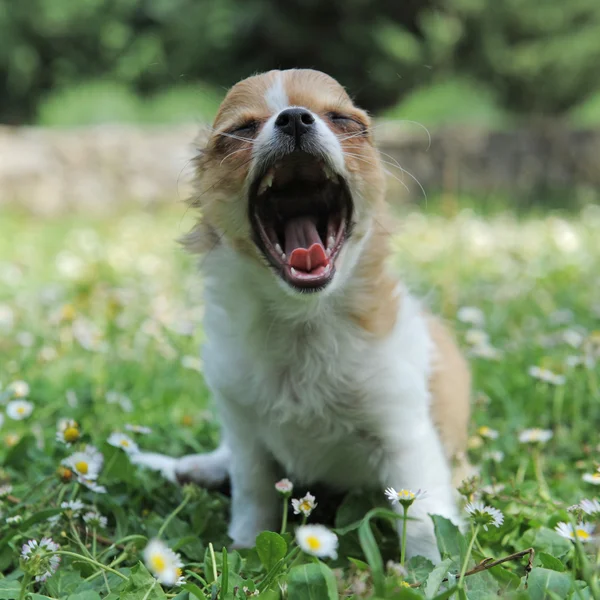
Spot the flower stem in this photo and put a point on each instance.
(539, 474)
(91, 561)
(284, 518)
(187, 497)
(24, 585)
(467, 557)
(403, 542)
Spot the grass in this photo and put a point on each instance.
(100, 317)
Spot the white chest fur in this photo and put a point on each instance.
(313, 386)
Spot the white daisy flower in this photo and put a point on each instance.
(487, 432)
(496, 456)
(284, 486)
(590, 507)
(92, 485)
(546, 375)
(192, 362)
(39, 558)
(162, 562)
(484, 515)
(493, 489)
(95, 519)
(86, 465)
(593, 478)
(5, 490)
(304, 505)
(1, 419)
(67, 431)
(19, 409)
(486, 351)
(477, 337)
(121, 399)
(19, 389)
(120, 440)
(317, 540)
(582, 531)
(73, 506)
(472, 315)
(535, 435)
(403, 497)
(138, 428)
(14, 520)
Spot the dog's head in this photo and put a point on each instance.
(290, 178)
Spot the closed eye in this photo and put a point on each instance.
(247, 128)
(344, 120)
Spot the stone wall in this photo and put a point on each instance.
(96, 168)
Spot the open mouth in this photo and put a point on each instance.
(301, 211)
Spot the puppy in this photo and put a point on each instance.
(323, 367)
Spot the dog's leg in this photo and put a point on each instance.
(254, 501)
(415, 460)
(208, 470)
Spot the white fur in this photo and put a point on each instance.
(297, 383)
(276, 96)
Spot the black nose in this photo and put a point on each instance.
(294, 121)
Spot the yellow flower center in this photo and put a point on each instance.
(125, 443)
(21, 410)
(82, 467)
(484, 430)
(404, 584)
(596, 475)
(71, 434)
(582, 534)
(314, 543)
(406, 495)
(305, 506)
(179, 572)
(158, 563)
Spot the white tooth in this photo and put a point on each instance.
(328, 251)
(330, 241)
(266, 183)
(294, 272)
(328, 172)
(284, 256)
(327, 269)
(278, 248)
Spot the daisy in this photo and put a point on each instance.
(482, 514)
(477, 337)
(90, 484)
(535, 435)
(404, 497)
(546, 375)
(496, 456)
(304, 505)
(487, 432)
(14, 520)
(120, 440)
(95, 519)
(138, 429)
(74, 507)
(493, 489)
(582, 531)
(20, 389)
(162, 562)
(40, 558)
(86, 465)
(590, 507)
(67, 431)
(317, 540)
(5, 490)
(19, 409)
(593, 478)
(472, 315)
(284, 486)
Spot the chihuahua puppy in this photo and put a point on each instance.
(322, 365)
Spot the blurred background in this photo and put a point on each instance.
(508, 91)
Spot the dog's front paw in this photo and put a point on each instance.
(165, 465)
(204, 469)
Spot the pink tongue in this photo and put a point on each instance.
(303, 245)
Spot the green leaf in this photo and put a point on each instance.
(225, 574)
(314, 581)
(142, 586)
(193, 589)
(436, 577)
(9, 590)
(548, 541)
(550, 562)
(543, 582)
(85, 595)
(448, 537)
(418, 568)
(271, 548)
